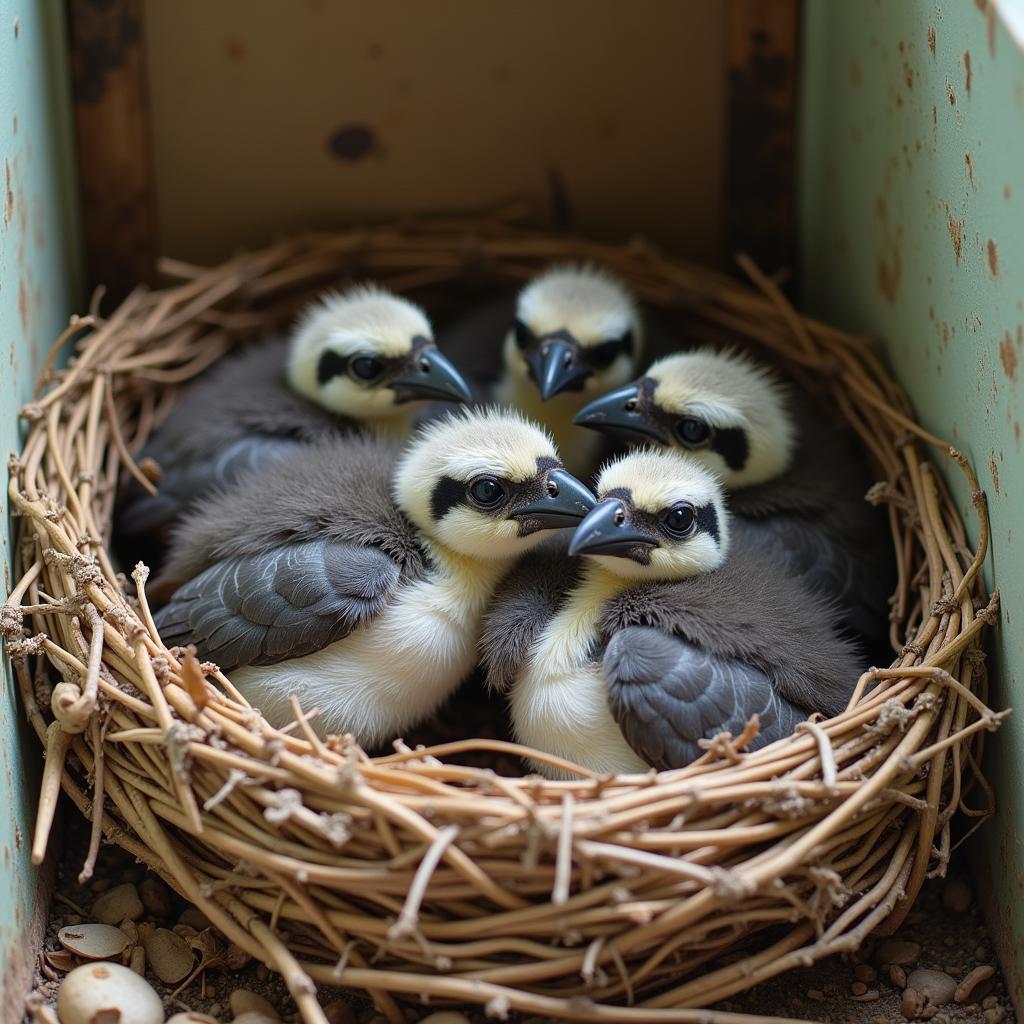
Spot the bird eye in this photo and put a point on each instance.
(680, 520)
(486, 493)
(366, 369)
(523, 334)
(693, 433)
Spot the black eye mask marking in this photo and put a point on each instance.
(707, 520)
(449, 493)
(732, 444)
(331, 365)
(653, 522)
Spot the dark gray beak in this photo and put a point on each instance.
(556, 367)
(608, 531)
(430, 377)
(567, 502)
(618, 413)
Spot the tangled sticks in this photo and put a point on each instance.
(411, 876)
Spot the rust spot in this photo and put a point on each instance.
(969, 161)
(856, 75)
(967, 71)
(1006, 191)
(17, 27)
(935, 116)
(1016, 432)
(23, 305)
(993, 468)
(931, 39)
(889, 271)
(950, 94)
(993, 258)
(1008, 357)
(956, 235)
(8, 196)
(908, 75)
(981, 5)
(901, 46)
(234, 49)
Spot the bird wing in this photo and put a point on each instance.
(143, 514)
(523, 604)
(665, 694)
(279, 604)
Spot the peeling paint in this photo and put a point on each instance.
(956, 235)
(931, 39)
(993, 258)
(969, 162)
(1008, 357)
(967, 71)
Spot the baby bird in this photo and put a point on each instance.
(356, 575)
(669, 632)
(576, 333)
(795, 486)
(362, 358)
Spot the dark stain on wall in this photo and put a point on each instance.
(956, 234)
(1008, 357)
(967, 71)
(969, 162)
(993, 258)
(931, 39)
(352, 142)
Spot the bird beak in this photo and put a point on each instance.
(565, 504)
(556, 367)
(430, 377)
(618, 413)
(608, 531)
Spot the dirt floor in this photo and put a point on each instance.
(944, 936)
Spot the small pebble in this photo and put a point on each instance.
(966, 989)
(339, 1012)
(868, 996)
(936, 986)
(95, 993)
(956, 896)
(155, 897)
(169, 955)
(989, 1002)
(898, 952)
(865, 973)
(215, 1008)
(911, 1003)
(995, 1015)
(244, 1001)
(194, 918)
(898, 976)
(953, 971)
(137, 962)
(979, 952)
(262, 972)
(858, 988)
(93, 941)
(117, 904)
(815, 995)
(445, 1017)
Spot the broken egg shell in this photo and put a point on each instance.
(94, 993)
(93, 941)
(169, 955)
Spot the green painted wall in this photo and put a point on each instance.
(912, 212)
(39, 285)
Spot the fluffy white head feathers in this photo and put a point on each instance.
(729, 412)
(486, 483)
(660, 516)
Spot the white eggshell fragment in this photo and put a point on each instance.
(107, 994)
(93, 941)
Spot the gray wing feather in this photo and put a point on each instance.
(666, 694)
(280, 604)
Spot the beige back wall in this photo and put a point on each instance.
(435, 105)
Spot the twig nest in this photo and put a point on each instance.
(244, 1001)
(169, 955)
(155, 898)
(107, 994)
(64, 703)
(93, 941)
(117, 904)
(937, 986)
(975, 985)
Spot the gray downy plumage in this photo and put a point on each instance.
(814, 521)
(687, 659)
(240, 416)
(285, 563)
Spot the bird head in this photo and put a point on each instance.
(722, 407)
(577, 329)
(364, 353)
(659, 516)
(487, 483)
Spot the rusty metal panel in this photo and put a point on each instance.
(912, 229)
(38, 286)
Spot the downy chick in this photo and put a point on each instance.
(356, 575)
(360, 359)
(576, 332)
(669, 631)
(796, 487)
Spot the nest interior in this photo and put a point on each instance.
(636, 898)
